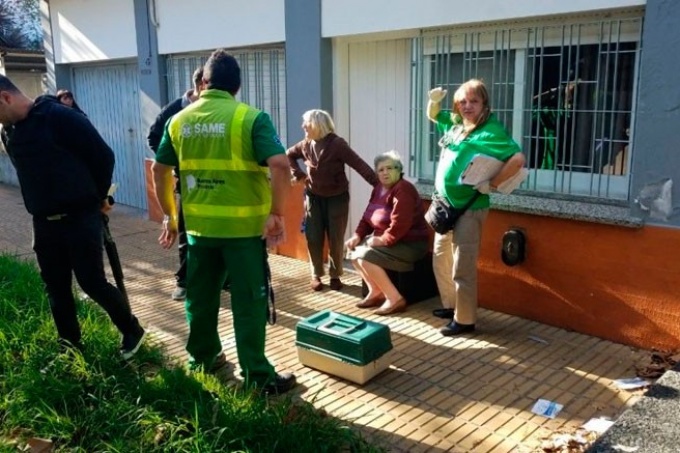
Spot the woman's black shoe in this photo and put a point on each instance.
(444, 313)
(453, 328)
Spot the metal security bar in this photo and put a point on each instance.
(565, 91)
(263, 80)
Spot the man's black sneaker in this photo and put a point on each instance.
(444, 313)
(132, 342)
(281, 383)
(453, 328)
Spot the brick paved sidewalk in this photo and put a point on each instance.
(469, 394)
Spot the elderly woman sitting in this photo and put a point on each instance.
(392, 234)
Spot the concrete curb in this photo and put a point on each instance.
(650, 425)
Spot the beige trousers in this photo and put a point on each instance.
(454, 261)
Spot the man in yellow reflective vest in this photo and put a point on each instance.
(226, 152)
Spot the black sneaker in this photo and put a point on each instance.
(453, 328)
(444, 313)
(132, 342)
(281, 383)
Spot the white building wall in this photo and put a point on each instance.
(92, 30)
(349, 17)
(188, 27)
(371, 99)
(31, 83)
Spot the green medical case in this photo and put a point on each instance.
(347, 338)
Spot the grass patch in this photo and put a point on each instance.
(95, 402)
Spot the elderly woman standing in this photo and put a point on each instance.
(471, 129)
(392, 234)
(326, 191)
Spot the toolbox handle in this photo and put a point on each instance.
(327, 327)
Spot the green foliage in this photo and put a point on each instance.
(20, 26)
(93, 401)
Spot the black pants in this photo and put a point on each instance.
(74, 244)
(182, 246)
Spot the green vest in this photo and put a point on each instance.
(225, 192)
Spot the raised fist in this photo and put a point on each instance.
(437, 94)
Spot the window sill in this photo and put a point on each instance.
(556, 207)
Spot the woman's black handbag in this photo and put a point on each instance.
(441, 216)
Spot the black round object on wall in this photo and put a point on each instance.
(513, 248)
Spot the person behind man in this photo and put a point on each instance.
(325, 155)
(154, 139)
(64, 169)
(225, 150)
(66, 98)
(469, 130)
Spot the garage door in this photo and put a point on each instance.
(109, 95)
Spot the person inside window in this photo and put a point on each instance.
(392, 234)
(66, 98)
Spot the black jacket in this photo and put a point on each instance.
(158, 126)
(63, 164)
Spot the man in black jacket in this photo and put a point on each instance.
(64, 169)
(154, 140)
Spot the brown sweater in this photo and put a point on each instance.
(325, 161)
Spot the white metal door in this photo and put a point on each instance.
(109, 95)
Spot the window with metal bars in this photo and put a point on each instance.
(565, 92)
(263, 82)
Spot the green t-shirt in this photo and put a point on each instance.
(490, 139)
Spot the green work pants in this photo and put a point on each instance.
(209, 261)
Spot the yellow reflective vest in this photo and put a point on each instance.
(225, 192)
